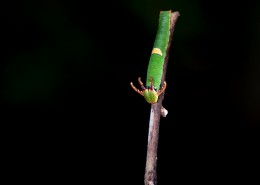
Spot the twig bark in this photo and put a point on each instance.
(150, 177)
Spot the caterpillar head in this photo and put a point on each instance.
(150, 94)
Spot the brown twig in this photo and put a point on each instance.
(153, 134)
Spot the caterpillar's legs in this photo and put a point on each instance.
(162, 89)
(141, 83)
(136, 90)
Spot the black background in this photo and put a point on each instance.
(71, 113)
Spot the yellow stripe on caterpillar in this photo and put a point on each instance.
(157, 51)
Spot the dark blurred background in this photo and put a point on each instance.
(66, 68)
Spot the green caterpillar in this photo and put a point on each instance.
(155, 68)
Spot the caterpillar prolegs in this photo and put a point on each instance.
(153, 88)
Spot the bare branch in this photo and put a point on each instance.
(153, 134)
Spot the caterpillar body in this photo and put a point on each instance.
(155, 67)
